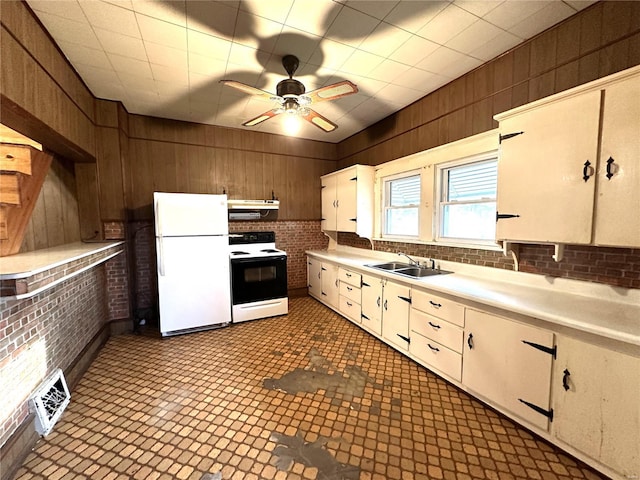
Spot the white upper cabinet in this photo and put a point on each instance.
(617, 217)
(347, 201)
(553, 182)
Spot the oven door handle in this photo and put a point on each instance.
(237, 261)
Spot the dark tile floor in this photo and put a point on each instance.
(305, 396)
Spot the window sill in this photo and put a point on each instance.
(471, 246)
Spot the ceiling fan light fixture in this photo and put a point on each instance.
(290, 106)
(291, 124)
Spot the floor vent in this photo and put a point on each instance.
(49, 401)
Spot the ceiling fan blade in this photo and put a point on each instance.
(261, 118)
(248, 88)
(319, 121)
(333, 91)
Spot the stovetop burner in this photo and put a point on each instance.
(238, 252)
(269, 250)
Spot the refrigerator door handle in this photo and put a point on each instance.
(161, 256)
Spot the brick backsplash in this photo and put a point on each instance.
(45, 332)
(612, 266)
(114, 230)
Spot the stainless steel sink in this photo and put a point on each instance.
(420, 272)
(390, 266)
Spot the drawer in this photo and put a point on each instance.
(347, 276)
(441, 331)
(438, 306)
(350, 292)
(350, 309)
(433, 354)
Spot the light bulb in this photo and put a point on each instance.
(291, 124)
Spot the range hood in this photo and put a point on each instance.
(243, 210)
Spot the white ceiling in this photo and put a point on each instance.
(165, 58)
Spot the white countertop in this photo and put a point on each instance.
(603, 310)
(26, 264)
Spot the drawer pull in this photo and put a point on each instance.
(378, 301)
(433, 349)
(565, 379)
(349, 304)
(348, 275)
(349, 288)
(434, 304)
(470, 341)
(434, 325)
(385, 304)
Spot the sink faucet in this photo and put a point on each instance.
(411, 260)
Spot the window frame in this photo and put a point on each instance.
(439, 204)
(385, 183)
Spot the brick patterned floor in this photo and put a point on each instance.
(197, 406)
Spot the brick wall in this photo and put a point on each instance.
(612, 266)
(45, 332)
(117, 287)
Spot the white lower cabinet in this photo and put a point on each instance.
(396, 300)
(314, 277)
(509, 364)
(350, 296)
(371, 289)
(596, 403)
(436, 332)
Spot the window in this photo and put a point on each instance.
(467, 203)
(401, 202)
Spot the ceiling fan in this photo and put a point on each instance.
(291, 97)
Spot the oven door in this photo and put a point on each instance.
(258, 278)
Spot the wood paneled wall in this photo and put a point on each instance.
(600, 40)
(176, 156)
(55, 107)
(55, 220)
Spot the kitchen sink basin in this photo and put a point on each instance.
(390, 266)
(420, 272)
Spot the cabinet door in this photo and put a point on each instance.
(328, 203)
(330, 284)
(395, 314)
(372, 303)
(500, 366)
(599, 413)
(347, 200)
(617, 221)
(540, 172)
(314, 277)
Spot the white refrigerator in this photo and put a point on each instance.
(192, 245)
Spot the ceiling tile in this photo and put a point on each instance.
(134, 83)
(99, 78)
(213, 18)
(121, 44)
(164, 33)
(508, 14)
(550, 15)
(398, 94)
(361, 63)
(351, 27)
(366, 86)
(313, 16)
(296, 42)
(112, 18)
(376, 8)
(478, 7)
(414, 50)
(467, 40)
(384, 40)
(130, 65)
(444, 61)
(171, 12)
(276, 10)
(204, 65)
(208, 45)
(247, 26)
(501, 43)
(439, 29)
(331, 54)
(412, 16)
(81, 55)
(163, 55)
(69, 31)
(247, 58)
(388, 71)
(70, 10)
(417, 79)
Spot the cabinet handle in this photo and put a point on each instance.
(365, 285)
(565, 379)
(609, 169)
(364, 316)
(406, 339)
(434, 325)
(323, 269)
(348, 275)
(470, 341)
(336, 283)
(505, 215)
(318, 274)
(406, 299)
(434, 349)
(349, 304)
(385, 304)
(378, 301)
(587, 171)
(434, 304)
(324, 294)
(349, 289)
